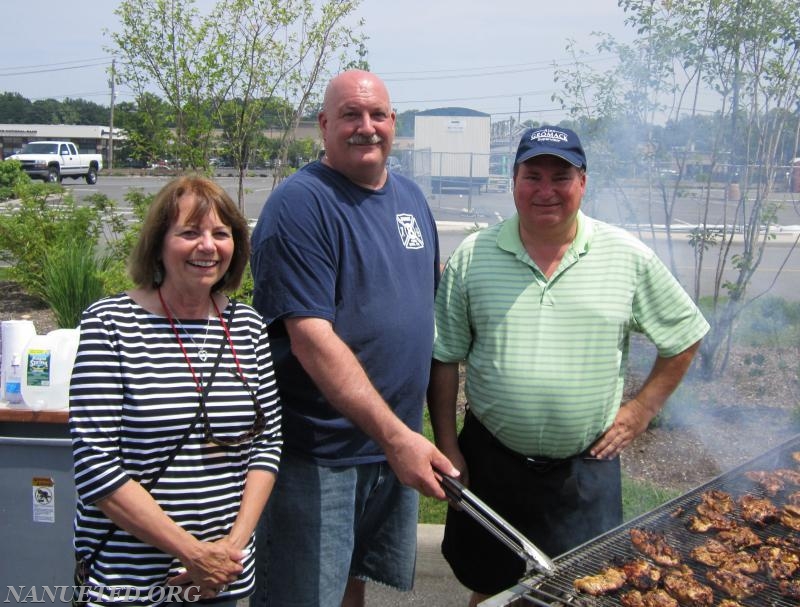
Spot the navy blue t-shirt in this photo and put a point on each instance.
(367, 261)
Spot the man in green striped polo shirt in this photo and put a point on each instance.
(540, 308)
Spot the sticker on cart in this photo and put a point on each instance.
(44, 500)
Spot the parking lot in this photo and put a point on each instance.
(457, 214)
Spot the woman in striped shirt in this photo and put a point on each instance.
(174, 414)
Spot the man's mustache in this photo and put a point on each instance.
(364, 140)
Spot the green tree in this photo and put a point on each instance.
(404, 127)
(321, 37)
(745, 54)
(255, 64)
(85, 112)
(14, 108)
(226, 67)
(146, 124)
(164, 44)
(45, 111)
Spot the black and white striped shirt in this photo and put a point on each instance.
(132, 398)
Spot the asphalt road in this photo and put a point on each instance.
(778, 273)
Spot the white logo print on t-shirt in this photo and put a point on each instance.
(410, 233)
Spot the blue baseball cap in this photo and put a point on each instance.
(551, 141)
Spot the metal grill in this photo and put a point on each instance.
(615, 547)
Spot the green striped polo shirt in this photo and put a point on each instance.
(546, 358)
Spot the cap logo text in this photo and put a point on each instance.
(549, 135)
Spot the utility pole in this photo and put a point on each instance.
(112, 84)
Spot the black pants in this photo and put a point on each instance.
(557, 504)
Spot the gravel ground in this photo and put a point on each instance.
(706, 429)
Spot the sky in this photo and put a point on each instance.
(492, 56)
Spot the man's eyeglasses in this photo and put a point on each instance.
(259, 423)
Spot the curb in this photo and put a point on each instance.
(430, 561)
(460, 226)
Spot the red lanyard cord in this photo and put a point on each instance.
(183, 348)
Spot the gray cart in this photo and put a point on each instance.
(37, 506)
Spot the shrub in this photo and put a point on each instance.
(245, 291)
(11, 177)
(45, 220)
(72, 279)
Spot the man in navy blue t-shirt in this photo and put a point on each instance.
(345, 262)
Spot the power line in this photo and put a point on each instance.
(27, 67)
(479, 72)
(527, 65)
(61, 68)
(499, 96)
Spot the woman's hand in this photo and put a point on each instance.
(210, 568)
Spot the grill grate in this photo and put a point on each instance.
(614, 547)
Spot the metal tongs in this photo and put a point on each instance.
(496, 525)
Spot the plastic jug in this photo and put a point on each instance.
(47, 367)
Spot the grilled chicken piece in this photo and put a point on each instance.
(788, 542)
(652, 598)
(770, 482)
(716, 554)
(742, 562)
(758, 510)
(790, 588)
(739, 537)
(682, 585)
(793, 498)
(608, 580)
(796, 456)
(641, 574)
(712, 553)
(655, 546)
(710, 520)
(715, 500)
(778, 563)
(790, 516)
(790, 476)
(734, 584)
(632, 598)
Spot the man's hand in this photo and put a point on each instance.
(634, 416)
(632, 419)
(413, 459)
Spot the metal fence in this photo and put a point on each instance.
(455, 172)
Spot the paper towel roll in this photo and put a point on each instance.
(15, 335)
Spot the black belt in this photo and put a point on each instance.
(539, 463)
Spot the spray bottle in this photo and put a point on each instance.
(13, 391)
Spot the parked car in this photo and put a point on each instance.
(53, 160)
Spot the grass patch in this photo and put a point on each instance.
(5, 273)
(639, 497)
(431, 510)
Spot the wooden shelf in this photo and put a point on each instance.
(22, 414)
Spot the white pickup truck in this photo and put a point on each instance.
(54, 160)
